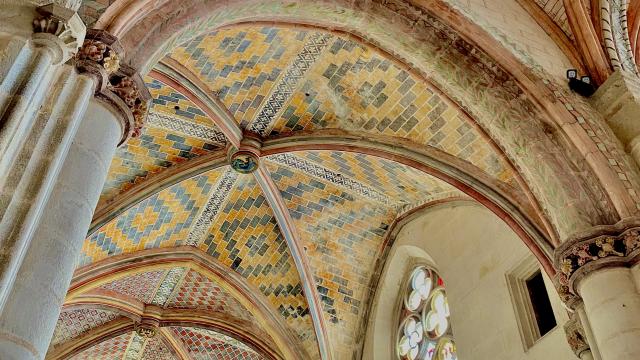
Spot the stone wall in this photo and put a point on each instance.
(473, 250)
(509, 22)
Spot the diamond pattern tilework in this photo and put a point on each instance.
(155, 150)
(354, 88)
(162, 220)
(72, 323)
(241, 65)
(111, 349)
(245, 236)
(204, 344)
(141, 286)
(157, 349)
(198, 292)
(343, 234)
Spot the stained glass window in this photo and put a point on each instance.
(425, 330)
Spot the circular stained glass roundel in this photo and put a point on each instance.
(411, 334)
(421, 283)
(425, 332)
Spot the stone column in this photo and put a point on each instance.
(595, 268)
(41, 104)
(31, 311)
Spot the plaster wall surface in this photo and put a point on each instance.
(473, 250)
(509, 22)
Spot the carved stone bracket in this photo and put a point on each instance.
(59, 29)
(605, 246)
(116, 84)
(576, 336)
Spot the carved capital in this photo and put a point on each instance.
(59, 29)
(117, 84)
(575, 334)
(604, 246)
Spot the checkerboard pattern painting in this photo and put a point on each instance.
(205, 344)
(72, 323)
(162, 220)
(141, 286)
(367, 176)
(111, 349)
(198, 292)
(157, 349)
(176, 130)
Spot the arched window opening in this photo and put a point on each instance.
(425, 332)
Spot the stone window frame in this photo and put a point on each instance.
(517, 279)
(410, 267)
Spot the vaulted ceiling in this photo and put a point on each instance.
(171, 191)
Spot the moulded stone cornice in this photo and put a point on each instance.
(601, 247)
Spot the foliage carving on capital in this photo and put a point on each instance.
(116, 83)
(605, 246)
(100, 53)
(125, 88)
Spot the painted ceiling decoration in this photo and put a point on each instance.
(273, 81)
(250, 217)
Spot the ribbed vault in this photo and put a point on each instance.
(357, 127)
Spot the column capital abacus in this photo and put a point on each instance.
(59, 29)
(117, 84)
(601, 247)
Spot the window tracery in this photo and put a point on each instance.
(425, 328)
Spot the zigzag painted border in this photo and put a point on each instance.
(333, 177)
(289, 81)
(218, 197)
(168, 122)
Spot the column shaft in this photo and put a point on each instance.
(31, 167)
(612, 305)
(45, 273)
